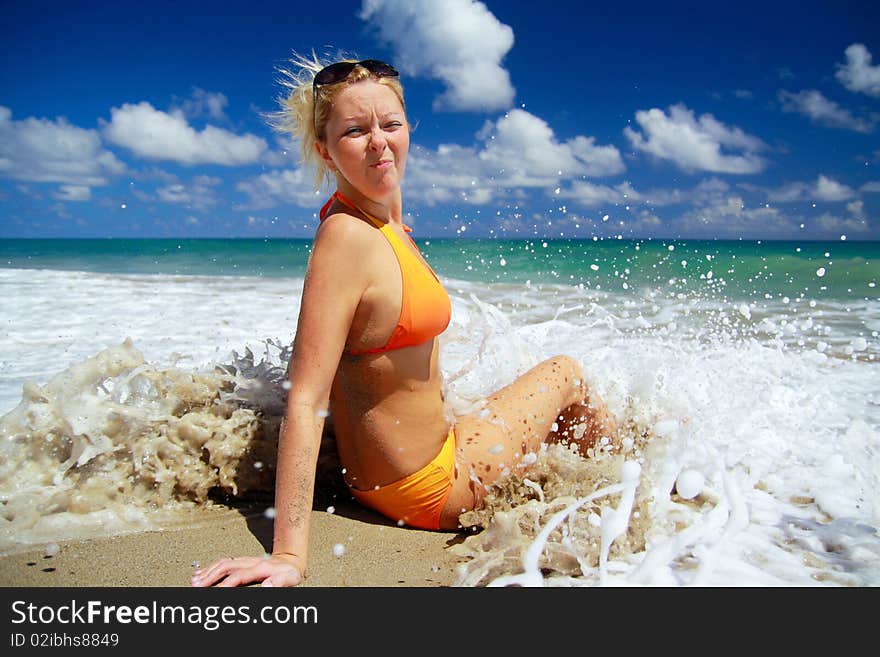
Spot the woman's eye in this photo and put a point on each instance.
(353, 130)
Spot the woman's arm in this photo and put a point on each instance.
(331, 294)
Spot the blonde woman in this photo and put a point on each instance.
(366, 347)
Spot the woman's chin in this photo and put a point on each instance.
(385, 183)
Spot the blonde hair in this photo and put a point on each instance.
(302, 118)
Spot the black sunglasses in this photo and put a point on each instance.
(340, 70)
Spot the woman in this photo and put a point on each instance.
(366, 345)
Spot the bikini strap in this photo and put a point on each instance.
(326, 207)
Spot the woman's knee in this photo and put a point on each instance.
(569, 371)
(566, 362)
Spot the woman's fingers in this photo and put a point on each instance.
(239, 577)
(221, 569)
(231, 572)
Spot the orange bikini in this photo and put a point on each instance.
(425, 310)
(418, 499)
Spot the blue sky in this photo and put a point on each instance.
(555, 119)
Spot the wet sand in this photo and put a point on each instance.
(376, 553)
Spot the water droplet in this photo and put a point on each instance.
(689, 484)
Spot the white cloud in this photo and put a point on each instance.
(823, 189)
(267, 190)
(817, 108)
(175, 193)
(40, 150)
(858, 74)
(60, 211)
(459, 42)
(205, 103)
(526, 147)
(788, 193)
(199, 193)
(450, 173)
(828, 189)
(852, 223)
(856, 209)
(727, 216)
(646, 223)
(708, 190)
(589, 194)
(718, 211)
(151, 133)
(873, 186)
(518, 151)
(696, 144)
(74, 193)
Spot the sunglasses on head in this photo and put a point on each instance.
(340, 70)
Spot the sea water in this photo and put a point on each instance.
(140, 377)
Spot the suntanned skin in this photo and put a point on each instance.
(389, 415)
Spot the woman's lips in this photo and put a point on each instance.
(382, 164)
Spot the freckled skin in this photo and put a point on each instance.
(552, 392)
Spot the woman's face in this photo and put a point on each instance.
(367, 138)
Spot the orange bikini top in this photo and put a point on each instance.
(425, 309)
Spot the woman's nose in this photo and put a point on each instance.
(377, 139)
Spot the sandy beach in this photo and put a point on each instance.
(376, 553)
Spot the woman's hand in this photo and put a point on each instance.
(273, 570)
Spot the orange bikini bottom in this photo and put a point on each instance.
(418, 499)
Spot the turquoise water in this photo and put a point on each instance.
(718, 269)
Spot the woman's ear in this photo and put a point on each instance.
(325, 155)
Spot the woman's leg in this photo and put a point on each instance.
(549, 403)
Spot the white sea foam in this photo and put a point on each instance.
(51, 319)
(774, 412)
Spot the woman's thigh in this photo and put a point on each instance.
(514, 422)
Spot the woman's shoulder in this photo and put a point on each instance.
(342, 225)
(342, 237)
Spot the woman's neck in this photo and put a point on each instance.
(387, 209)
